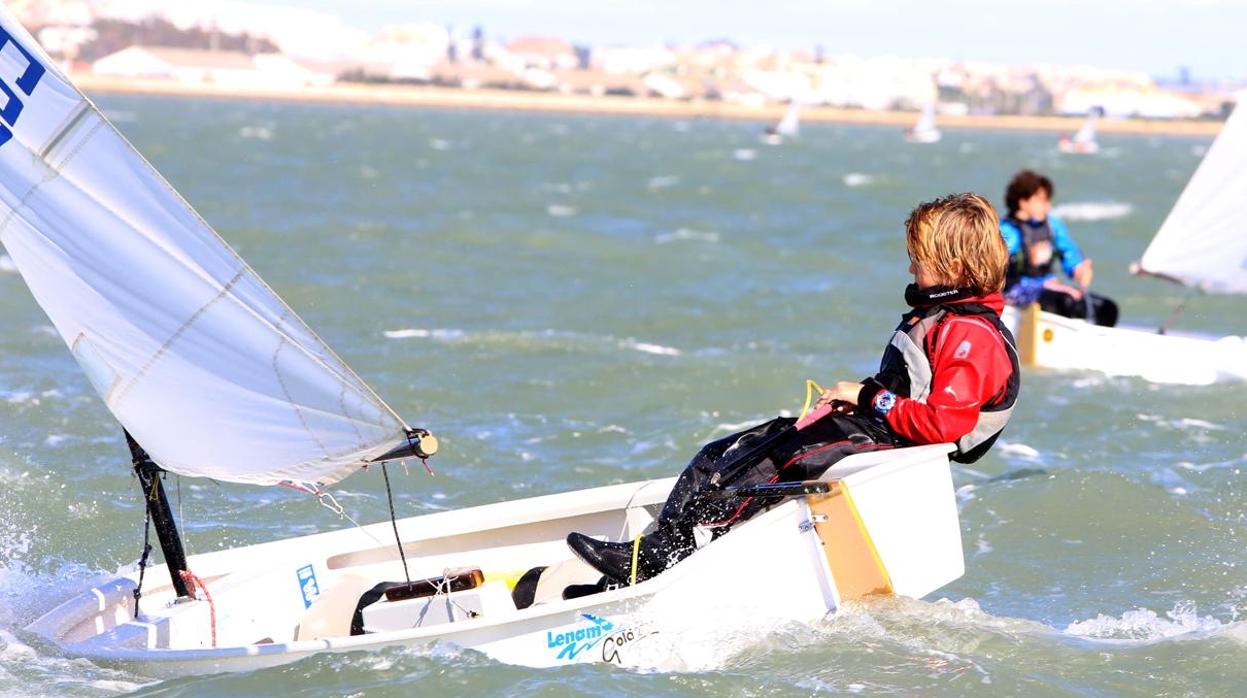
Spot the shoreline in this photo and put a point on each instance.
(457, 98)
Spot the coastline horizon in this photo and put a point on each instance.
(445, 97)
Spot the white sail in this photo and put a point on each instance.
(1203, 242)
(1086, 134)
(925, 131)
(790, 124)
(926, 122)
(196, 357)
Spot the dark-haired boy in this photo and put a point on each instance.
(1036, 241)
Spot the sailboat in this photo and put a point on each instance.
(787, 128)
(210, 374)
(1201, 245)
(925, 130)
(1084, 141)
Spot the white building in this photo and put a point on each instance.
(232, 68)
(1130, 102)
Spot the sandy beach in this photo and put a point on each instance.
(442, 97)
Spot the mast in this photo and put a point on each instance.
(161, 514)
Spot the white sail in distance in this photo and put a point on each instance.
(1086, 134)
(192, 352)
(789, 126)
(1203, 242)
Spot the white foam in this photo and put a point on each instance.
(261, 133)
(687, 234)
(1018, 450)
(407, 333)
(1199, 423)
(440, 144)
(663, 181)
(858, 179)
(560, 211)
(6, 264)
(649, 348)
(423, 334)
(744, 154)
(1145, 625)
(1092, 210)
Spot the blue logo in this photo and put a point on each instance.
(573, 642)
(308, 585)
(26, 82)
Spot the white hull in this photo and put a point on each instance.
(889, 525)
(1065, 343)
(923, 136)
(1078, 147)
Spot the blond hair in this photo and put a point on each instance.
(959, 227)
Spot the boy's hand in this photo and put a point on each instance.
(1082, 273)
(842, 397)
(1054, 284)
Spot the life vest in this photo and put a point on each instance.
(906, 370)
(1035, 256)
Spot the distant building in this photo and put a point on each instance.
(543, 53)
(1131, 102)
(597, 83)
(198, 66)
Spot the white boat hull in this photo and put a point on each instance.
(1063, 343)
(889, 525)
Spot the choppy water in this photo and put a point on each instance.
(572, 301)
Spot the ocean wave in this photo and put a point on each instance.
(662, 181)
(858, 179)
(552, 338)
(1145, 625)
(560, 211)
(1092, 210)
(744, 154)
(650, 348)
(687, 234)
(1018, 449)
(260, 133)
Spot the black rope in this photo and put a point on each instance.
(389, 496)
(147, 550)
(1164, 326)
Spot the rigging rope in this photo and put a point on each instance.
(147, 551)
(389, 496)
(191, 582)
(810, 387)
(327, 501)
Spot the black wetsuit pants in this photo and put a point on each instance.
(1091, 306)
(793, 456)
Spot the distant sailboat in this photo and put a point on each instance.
(1203, 245)
(925, 130)
(1083, 141)
(787, 128)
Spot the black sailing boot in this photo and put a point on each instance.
(658, 550)
(611, 559)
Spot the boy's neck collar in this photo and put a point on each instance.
(935, 295)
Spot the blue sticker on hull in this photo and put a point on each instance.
(308, 585)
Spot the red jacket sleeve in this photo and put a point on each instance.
(970, 365)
